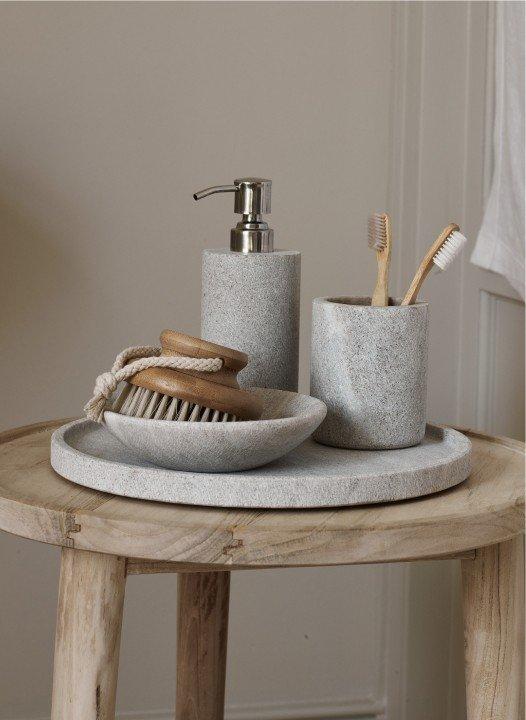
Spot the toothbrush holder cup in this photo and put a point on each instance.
(369, 366)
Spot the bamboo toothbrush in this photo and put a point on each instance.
(379, 235)
(189, 395)
(442, 252)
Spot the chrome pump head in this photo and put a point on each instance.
(251, 200)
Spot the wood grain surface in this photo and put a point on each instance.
(493, 603)
(87, 638)
(202, 630)
(219, 390)
(37, 503)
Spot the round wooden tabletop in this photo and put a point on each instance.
(35, 502)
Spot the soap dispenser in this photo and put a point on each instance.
(251, 292)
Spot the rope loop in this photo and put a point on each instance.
(131, 361)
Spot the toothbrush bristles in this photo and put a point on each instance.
(377, 231)
(449, 250)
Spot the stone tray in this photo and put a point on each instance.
(310, 476)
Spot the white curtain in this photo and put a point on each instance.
(500, 243)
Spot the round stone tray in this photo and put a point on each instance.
(310, 476)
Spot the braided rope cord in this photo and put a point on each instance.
(133, 360)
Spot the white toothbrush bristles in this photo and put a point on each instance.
(449, 250)
(147, 404)
(377, 231)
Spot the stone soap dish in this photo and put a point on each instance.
(288, 419)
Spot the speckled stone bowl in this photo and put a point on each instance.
(288, 419)
(369, 366)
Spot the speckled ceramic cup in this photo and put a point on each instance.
(369, 366)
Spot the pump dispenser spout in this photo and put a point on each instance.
(252, 199)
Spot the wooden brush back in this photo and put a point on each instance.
(217, 390)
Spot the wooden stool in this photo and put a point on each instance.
(106, 537)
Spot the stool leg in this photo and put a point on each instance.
(202, 628)
(87, 640)
(493, 603)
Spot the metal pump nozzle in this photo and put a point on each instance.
(251, 200)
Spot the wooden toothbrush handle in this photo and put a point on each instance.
(380, 296)
(426, 265)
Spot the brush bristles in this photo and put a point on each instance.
(150, 405)
(377, 231)
(449, 250)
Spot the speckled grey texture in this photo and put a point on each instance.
(310, 476)
(288, 418)
(369, 366)
(250, 302)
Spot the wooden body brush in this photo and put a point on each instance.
(441, 254)
(190, 395)
(379, 236)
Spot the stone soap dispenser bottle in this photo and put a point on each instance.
(251, 292)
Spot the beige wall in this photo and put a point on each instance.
(112, 114)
